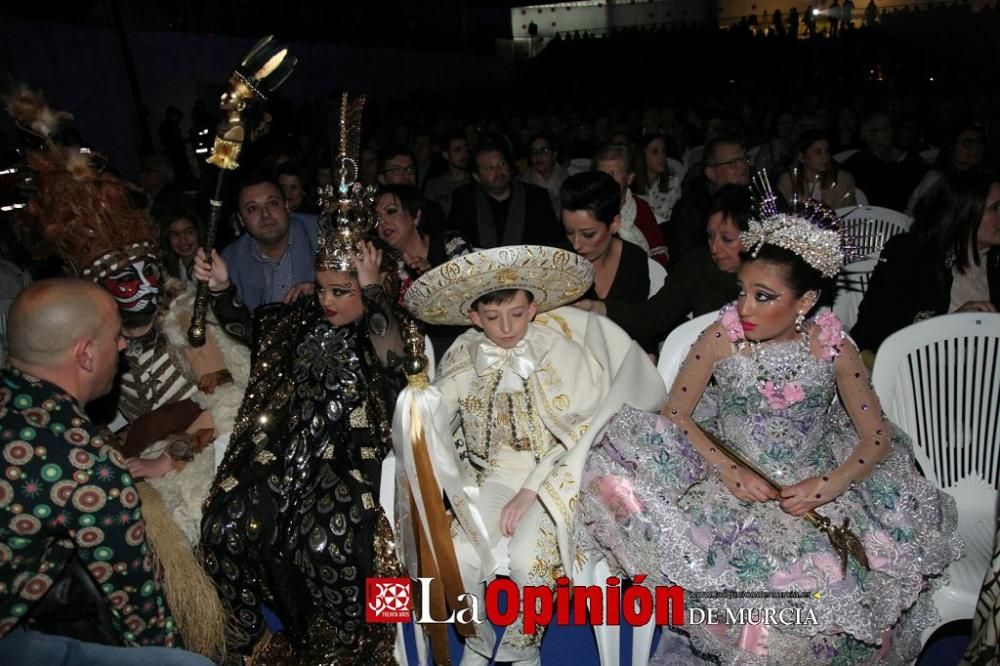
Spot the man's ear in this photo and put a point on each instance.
(85, 353)
(476, 319)
(381, 179)
(631, 179)
(532, 310)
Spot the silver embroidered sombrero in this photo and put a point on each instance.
(443, 295)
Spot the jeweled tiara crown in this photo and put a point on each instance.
(812, 230)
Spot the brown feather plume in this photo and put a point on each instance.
(78, 212)
(29, 109)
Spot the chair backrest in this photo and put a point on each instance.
(677, 345)
(843, 155)
(579, 165)
(431, 361)
(871, 226)
(938, 381)
(676, 168)
(692, 157)
(657, 274)
(849, 290)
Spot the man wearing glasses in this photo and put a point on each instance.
(496, 210)
(397, 167)
(724, 163)
(545, 170)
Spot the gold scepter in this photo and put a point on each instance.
(260, 72)
(844, 541)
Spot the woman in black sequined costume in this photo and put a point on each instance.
(294, 520)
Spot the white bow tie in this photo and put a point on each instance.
(491, 358)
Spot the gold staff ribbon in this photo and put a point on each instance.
(844, 541)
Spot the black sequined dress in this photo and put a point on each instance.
(294, 520)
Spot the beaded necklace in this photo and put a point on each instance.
(778, 383)
(789, 364)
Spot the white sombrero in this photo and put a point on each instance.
(444, 295)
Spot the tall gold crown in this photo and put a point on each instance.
(348, 207)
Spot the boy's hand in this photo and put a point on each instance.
(142, 468)
(515, 510)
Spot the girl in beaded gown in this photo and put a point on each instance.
(792, 396)
(293, 520)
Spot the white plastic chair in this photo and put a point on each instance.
(930, 155)
(578, 165)
(938, 381)
(676, 168)
(692, 157)
(657, 275)
(844, 155)
(849, 290)
(871, 226)
(678, 344)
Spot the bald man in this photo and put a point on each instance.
(72, 512)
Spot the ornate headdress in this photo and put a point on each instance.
(444, 295)
(812, 230)
(83, 214)
(348, 214)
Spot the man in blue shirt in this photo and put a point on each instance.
(273, 261)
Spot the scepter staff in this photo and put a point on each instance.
(844, 541)
(260, 72)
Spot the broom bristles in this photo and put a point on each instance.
(194, 602)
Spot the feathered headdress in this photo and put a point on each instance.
(78, 211)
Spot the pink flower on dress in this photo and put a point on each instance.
(731, 322)
(831, 334)
(793, 393)
(780, 398)
(618, 494)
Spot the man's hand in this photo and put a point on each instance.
(597, 307)
(418, 264)
(977, 306)
(515, 510)
(216, 274)
(301, 289)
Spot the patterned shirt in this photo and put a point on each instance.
(64, 488)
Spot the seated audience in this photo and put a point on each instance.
(814, 174)
(949, 261)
